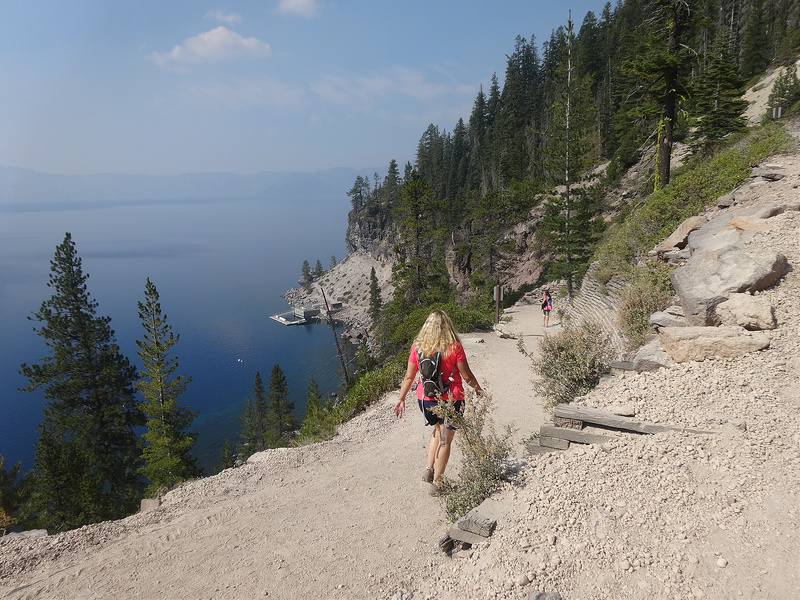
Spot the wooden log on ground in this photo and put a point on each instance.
(458, 534)
(551, 442)
(477, 522)
(571, 423)
(579, 437)
(598, 416)
(621, 367)
(446, 544)
(534, 447)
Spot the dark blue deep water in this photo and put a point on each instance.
(220, 267)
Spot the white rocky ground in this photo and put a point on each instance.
(671, 515)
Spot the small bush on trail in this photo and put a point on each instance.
(572, 362)
(483, 455)
(651, 291)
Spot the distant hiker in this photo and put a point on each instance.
(547, 306)
(437, 346)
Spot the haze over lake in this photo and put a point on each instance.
(221, 266)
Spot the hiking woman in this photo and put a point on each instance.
(547, 306)
(438, 333)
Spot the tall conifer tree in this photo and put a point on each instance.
(167, 456)
(719, 105)
(254, 421)
(280, 422)
(420, 275)
(567, 226)
(88, 454)
(375, 300)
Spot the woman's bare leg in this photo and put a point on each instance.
(440, 459)
(433, 446)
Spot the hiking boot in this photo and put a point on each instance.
(427, 475)
(435, 488)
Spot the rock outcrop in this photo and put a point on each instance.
(750, 312)
(700, 343)
(721, 268)
(709, 278)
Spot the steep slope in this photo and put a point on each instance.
(668, 515)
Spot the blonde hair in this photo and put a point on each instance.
(437, 333)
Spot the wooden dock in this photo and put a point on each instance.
(288, 318)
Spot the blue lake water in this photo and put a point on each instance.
(220, 267)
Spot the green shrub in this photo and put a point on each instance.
(321, 423)
(402, 331)
(650, 291)
(483, 451)
(603, 274)
(369, 388)
(571, 362)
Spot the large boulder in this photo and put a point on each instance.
(747, 311)
(709, 278)
(680, 236)
(686, 344)
(669, 317)
(652, 357)
(730, 228)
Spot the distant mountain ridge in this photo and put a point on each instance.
(25, 187)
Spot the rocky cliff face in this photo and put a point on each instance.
(368, 237)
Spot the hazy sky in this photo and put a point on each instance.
(180, 86)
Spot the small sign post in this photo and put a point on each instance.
(498, 296)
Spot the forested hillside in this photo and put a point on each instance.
(621, 86)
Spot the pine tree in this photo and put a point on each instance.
(756, 44)
(167, 456)
(359, 193)
(719, 106)
(318, 270)
(375, 300)
(661, 69)
(317, 423)
(567, 226)
(254, 421)
(420, 275)
(88, 454)
(786, 91)
(227, 458)
(280, 422)
(15, 492)
(390, 191)
(313, 409)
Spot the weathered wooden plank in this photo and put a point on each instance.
(460, 535)
(598, 416)
(551, 442)
(446, 544)
(580, 437)
(621, 367)
(477, 522)
(571, 423)
(534, 447)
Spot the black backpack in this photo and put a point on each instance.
(430, 375)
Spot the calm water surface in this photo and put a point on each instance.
(220, 267)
